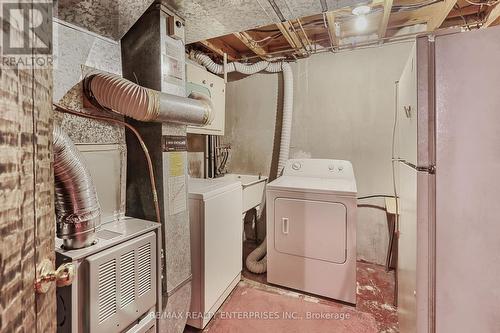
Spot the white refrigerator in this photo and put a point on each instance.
(448, 165)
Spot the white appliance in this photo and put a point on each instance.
(448, 136)
(216, 244)
(311, 228)
(200, 80)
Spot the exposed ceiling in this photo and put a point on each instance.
(332, 25)
(107, 18)
(246, 29)
(212, 18)
(204, 18)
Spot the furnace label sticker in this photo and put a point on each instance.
(176, 183)
(173, 67)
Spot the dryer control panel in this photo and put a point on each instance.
(319, 168)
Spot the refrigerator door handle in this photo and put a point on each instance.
(431, 169)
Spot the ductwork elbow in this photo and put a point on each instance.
(132, 100)
(78, 213)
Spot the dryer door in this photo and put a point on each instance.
(311, 229)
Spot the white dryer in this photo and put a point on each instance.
(311, 228)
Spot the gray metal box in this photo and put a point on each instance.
(116, 287)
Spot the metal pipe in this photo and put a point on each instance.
(195, 110)
(78, 213)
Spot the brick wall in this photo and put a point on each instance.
(26, 198)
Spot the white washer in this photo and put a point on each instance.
(216, 244)
(311, 228)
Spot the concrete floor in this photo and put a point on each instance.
(285, 310)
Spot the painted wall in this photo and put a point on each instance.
(343, 109)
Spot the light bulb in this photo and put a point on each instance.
(361, 22)
(361, 10)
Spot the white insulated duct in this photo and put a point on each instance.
(132, 100)
(256, 261)
(78, 214)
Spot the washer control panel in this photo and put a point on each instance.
(319, 168)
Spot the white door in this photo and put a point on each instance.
(407, 226)
(467, 182)
(311, 229)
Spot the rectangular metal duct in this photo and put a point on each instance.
(153, 59)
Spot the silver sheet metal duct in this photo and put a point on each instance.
(78, 213)
(132, 100)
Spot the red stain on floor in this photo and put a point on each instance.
(376, 295)
(253, 309)
(255, 306)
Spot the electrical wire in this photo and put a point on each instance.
(394, 159)
(396, 215)
(266, 38)
(487, 3)
(457, 7)
(413, 6)
(347, 47)
(376, 196)
(141, 142)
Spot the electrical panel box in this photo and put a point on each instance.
(202, 81)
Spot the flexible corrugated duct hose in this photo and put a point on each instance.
(132, 100)
(256, 261)
(78, 214)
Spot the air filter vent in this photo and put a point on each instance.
(127, 278)
(122, 284)
(144, 269)
(107, 290)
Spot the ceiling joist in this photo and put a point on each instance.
(382, 29)
(493, 16)
(284, 31)
(245, 38)
(219, 47)
(330, 19)
(438, 18)
(290, 35)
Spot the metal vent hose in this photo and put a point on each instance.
(132, 100)
(78, 214)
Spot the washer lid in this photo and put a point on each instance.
(204, 189)
(315, 185)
